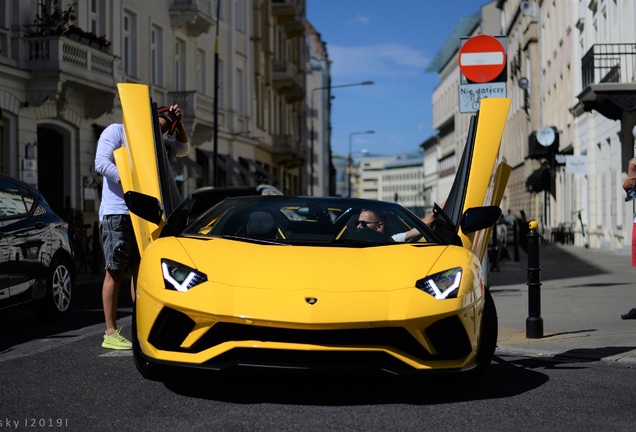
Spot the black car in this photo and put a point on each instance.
(36, 259)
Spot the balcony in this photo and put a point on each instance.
(58, 63)
(286, 151)
(192, 14)
(287, 80)
(198, 114)
(289, 15)
(285, 10)
(608, 74)
(609, 63)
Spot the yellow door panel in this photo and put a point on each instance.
(138, 164)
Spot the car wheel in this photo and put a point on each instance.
(56, 303)
(489, 335)
(147, 369)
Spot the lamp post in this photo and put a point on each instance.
(350, 160)
(312, 134)
(215, 140)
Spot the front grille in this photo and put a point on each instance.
(447, 335)
(396, 337)
(307, 360)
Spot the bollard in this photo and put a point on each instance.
(534, 322)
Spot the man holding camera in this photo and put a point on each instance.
(118, 238)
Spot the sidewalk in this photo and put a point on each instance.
(584, 292)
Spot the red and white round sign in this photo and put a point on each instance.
(482, 58)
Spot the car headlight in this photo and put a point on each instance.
(442, 285)
(180, 277)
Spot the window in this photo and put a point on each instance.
(201, 71)
(4, 29)
(12, 203)
(129, 49)
(4, 14)
(179, 65)
(447, 165)
(45, 7)
(238, 16)
(259, 102)
(240, 93)
(156, 55)
(96, 12)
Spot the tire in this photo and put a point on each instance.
(489, 335)
(60, 281)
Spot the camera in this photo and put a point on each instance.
(168, 114)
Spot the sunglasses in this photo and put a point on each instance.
(366, 223)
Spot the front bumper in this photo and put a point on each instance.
(177, 335)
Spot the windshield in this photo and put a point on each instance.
(311, 221)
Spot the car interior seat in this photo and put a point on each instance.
(261, 225)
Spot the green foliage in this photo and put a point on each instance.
(56, 22)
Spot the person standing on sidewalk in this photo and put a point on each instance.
(629, 185)
(118, 238)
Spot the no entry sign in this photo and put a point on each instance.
(482, 58)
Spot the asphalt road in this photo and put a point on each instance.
(57, 376)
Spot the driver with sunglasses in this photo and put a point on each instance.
(375, 220)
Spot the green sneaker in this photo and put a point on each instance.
(116, 341)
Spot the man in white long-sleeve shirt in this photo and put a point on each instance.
(118, 237)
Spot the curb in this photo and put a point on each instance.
(567, 357)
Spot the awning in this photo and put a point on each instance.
(192, 169)
(261, 174)
(240, 176)
(540, 180)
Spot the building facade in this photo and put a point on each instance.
(319, 115)
(401, 182)
(236, 64)
(571, 71)
(570, 130)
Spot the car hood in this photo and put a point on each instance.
(328, 269)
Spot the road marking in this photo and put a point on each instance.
(117, 353)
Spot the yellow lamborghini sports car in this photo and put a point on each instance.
(311, 283)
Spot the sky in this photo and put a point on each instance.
(390, 43)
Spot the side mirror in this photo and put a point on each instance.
(478, 218)
(145, 206)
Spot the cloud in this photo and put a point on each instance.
(360, 19)
(384, 60)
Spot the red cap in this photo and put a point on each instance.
(168, 116)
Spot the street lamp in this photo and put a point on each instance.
(312, 135)
(215, 138)
(351, 158)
